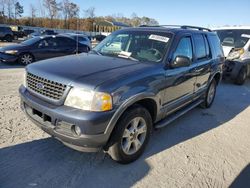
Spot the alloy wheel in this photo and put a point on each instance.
(26, 59)
(134, 135)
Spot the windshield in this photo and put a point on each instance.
(135, 45)
(31, 41)
(233, 38)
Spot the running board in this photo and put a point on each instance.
(177, 114)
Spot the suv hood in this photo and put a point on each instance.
(88, 70)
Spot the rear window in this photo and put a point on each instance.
(215, 42)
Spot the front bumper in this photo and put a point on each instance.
(59, 120)
(7, 58)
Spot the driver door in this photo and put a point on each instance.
(180, 81)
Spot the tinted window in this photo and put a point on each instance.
(215, 42)
(200, 48)
(65, 41)
(48, 43)
(81, 39)
(184, 48)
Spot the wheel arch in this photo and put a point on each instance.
(148, 102)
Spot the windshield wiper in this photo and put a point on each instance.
(96, 52)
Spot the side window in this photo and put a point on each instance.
(208, 49)
(184, 48)
(63, 41)
(200, 48)
(215, 42)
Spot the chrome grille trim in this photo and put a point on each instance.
(51, 89)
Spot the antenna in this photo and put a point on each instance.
(77, 39)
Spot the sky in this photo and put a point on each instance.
(206, 13)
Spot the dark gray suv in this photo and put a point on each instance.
(135, 80)
(6, 33)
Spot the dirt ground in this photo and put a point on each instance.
(204, 148)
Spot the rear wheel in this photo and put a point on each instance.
(242, 76)
(210, 95)
(26, 59)
(131, 135)
(8, 38)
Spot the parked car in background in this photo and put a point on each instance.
(17, 32)
(112, 99)
(42, 33)
(6, 34)
(99, 38)
(80, 38)
(28, 31)
(236, 45)
(39, 48)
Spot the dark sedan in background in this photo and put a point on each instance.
(39, 48)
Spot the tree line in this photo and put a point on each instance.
(62, 14)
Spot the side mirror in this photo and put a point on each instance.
(180, 61)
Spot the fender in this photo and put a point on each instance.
(125, 105)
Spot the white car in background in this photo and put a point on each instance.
(236, 46)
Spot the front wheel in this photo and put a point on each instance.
(26, 59)
(8, 38)
(242, 76)
(131, 135)
(210, 95)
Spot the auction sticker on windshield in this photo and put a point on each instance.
(159, 38)
(245, 35)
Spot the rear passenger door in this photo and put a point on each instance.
(202, 60)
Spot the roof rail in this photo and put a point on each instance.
(195, 27)
(180, 26)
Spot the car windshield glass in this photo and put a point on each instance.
(136, 45)
(31, 41)
(235, 38)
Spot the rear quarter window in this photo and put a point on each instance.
(216, 45)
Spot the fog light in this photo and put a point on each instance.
(77, 130)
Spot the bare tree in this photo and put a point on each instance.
(70, 10)
(32, 13)
(18, 8)
(10, 8)
(90, 12)
(52, 8)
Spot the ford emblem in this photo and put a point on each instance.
(40, 86)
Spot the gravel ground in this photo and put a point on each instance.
(204, 148)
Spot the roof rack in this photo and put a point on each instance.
(180, 26)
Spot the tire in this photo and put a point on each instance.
(8, 38)
(242, 76)
(26, 59)
(132, 130)
(210, 95)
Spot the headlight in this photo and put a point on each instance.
(24, 79)
(11, 52)
(89, 100)
(235, 54)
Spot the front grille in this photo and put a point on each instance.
(45, 87)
